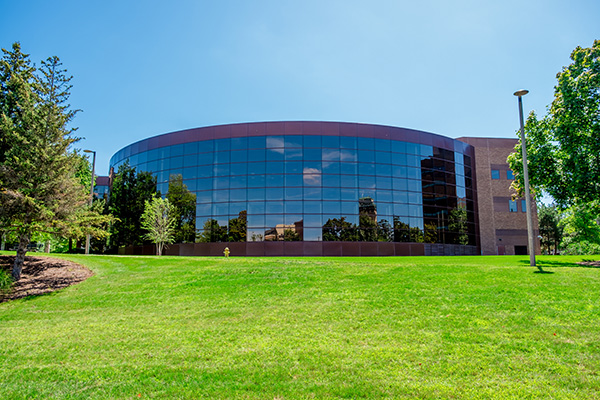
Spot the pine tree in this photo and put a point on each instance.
(38, 188)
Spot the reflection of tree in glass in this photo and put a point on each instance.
(185, 203)
(385, 233)
(430, 235)
(237, 227)
(213, 232)
(403, 232)
(338, 229)
(457, 223)
(289, 235)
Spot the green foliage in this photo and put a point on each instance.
(551, 229)
(184, 202)
(581, 229)
(213, 232)
(563, 147)
(128, 196)
(39, 189)
(238, 228)
(159, 219)
(338, 229)
(289, 235)
(6, 282)
(457, 224)
(304, 327)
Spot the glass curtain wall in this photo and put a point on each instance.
(319, 188)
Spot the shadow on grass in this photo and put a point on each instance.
(561, 264)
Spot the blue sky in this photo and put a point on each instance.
(449, 67)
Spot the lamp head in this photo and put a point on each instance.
(521, 92)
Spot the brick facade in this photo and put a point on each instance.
(502, 231)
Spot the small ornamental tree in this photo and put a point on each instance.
(159, 220)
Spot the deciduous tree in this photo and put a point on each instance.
(564, 146)
(159, 219)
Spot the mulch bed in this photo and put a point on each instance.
(42, 275)
(590, 263)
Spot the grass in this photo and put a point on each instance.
(302, 328)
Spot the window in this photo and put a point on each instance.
(512, 205)
(523, 206)
(510, 175)
(495, 174)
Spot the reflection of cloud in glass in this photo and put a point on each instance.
(312, 176)
(275, 144)
(347, 155)
(331, 154)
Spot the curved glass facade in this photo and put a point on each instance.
(317, 182)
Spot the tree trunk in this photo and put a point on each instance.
(3, 240)
(20, 258)
(47, 247)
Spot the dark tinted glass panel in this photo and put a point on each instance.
(293, 154)
(366, 156)
(275, 167)
(257, 142)
(256, 155)
(274, 180)
(223, 145)
(293, 193)
(239, 156)
(293, 141)
(331, 142)
(275, 193)
(240, 143)
(275, 154)
(222, 157)
(331, 167)
(312, 141)
(293, 180)
(312, 154)
(365, 143)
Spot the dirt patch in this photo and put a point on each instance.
(43, 275)
(595, 264)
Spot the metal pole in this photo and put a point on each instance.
(530, 235)
(87, 238)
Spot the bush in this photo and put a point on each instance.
(581, 248)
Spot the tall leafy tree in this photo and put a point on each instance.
(564, 146)
(39, 191)
(551, 229)
(185, 204)
(129, 193)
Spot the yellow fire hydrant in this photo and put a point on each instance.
(226, 252)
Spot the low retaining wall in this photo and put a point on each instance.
(272, 249)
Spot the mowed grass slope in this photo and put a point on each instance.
(295, 328)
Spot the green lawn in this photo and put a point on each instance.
(296, 328)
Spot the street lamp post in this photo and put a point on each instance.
(87, 238)
(530, 235)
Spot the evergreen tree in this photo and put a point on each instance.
(39, 191)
